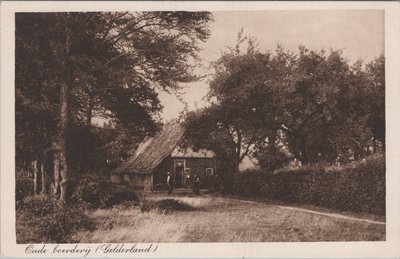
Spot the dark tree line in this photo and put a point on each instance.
(277, 106)
(71, 67)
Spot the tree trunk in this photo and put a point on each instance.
(56, 189)
(65, 92)
(83, 157)
(238, 152)
(63, 141)
(305, 159)
(43, 169)
(35, 176)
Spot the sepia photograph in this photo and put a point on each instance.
(139, 127)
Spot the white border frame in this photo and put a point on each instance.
(388, 249)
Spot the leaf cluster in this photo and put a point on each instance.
(113, 63)
(310, 105)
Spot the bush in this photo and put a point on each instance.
(166, 206)
(271, 158)
(250, 183)
(97, 192)
(42, 219)
(359, 187)
(23, 188)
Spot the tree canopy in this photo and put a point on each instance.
(310, 105)
(73, 66)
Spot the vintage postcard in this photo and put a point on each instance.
(200, 129)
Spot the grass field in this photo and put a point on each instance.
(207, 218)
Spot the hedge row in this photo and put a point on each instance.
(357, 188)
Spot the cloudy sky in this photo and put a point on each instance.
(359, 33)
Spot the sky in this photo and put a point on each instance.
(359, 33)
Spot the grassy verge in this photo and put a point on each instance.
(116, 215)
(221, 219)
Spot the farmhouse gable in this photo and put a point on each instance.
(155, 156)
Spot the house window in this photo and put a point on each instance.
(187, 171)
(209, 171)
(179, 163)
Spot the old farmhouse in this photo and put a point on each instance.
(157, 156)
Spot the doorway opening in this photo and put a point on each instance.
(179, 172)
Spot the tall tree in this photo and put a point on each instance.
(111, 63)
(312, 105)
(376, 74)
(232, 125)
(35, 111)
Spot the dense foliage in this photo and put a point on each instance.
(43, 219)
(24, 188)
(93, 191)
(276, 106)
(73, 66)
(359, 187)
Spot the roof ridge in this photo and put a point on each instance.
(162, 144)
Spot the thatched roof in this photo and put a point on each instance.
(151, 152)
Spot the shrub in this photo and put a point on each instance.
(166, 206)
(23, 188)
(250, 183)
(42, 219)
(270, 158)
(97, 192)
(359, 187)
(89, 190)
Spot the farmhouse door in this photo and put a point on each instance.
(179, 169)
